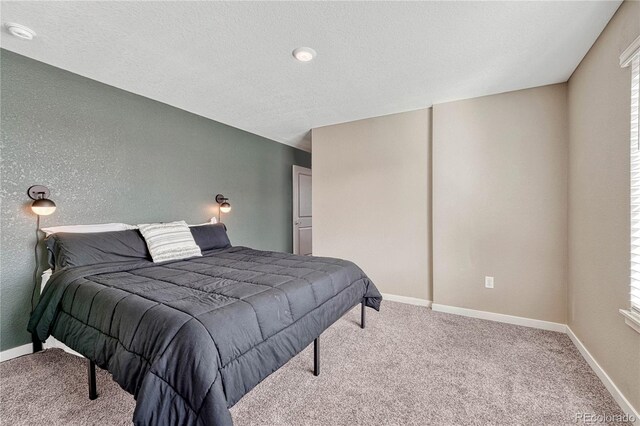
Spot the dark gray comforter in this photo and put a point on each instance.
(189, 338)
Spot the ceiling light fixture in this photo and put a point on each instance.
(304, 54)
(20, 31)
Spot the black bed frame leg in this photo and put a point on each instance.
(37, 344)
(91, 372)
(316, 357)
(362, 313)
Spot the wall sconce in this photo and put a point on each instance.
(225, 207)
(42, 205)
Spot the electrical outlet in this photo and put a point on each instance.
(488, 282)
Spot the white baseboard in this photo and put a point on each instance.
(509, 319)
(624, 404)
(16, 352)
(406, 299)
(28, 349)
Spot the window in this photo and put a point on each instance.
(631, 57)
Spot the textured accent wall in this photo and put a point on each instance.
(112, 156)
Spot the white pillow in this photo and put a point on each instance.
(88, 229)
(213, 220)
(101, 227)
(169, 241)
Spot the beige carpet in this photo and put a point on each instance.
(409, 366)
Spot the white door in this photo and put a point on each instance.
(301, 210)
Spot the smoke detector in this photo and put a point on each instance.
(20, 31)
(304, 54)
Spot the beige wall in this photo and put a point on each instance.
(531, 187)
(599, 204)
(500, 203)
(371, 183)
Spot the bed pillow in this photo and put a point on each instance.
(169, 241)
(88, 229)
(211, 222)
(209, 237)
(67, 249)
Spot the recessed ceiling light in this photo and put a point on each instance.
(20, 31)
(304, 54)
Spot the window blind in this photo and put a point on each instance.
(635, 185)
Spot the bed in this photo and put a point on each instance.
(189, 338)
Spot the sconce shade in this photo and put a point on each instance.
(225, 207)
(43, 207)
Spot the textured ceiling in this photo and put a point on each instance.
(231, 61)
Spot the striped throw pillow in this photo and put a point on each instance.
(169, 241)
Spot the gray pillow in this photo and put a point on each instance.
(210, 237)
(76, 249)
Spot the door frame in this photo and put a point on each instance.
(296, 170)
